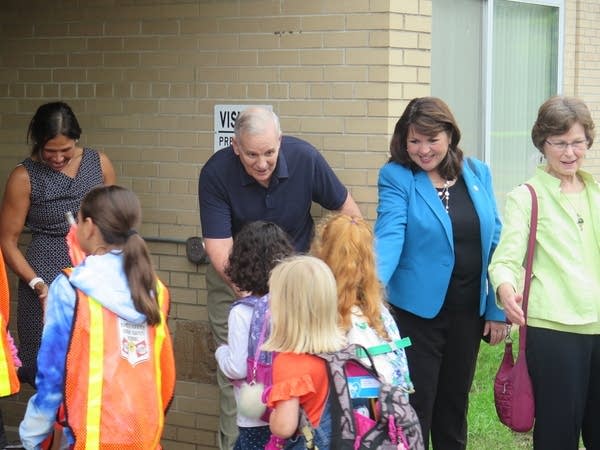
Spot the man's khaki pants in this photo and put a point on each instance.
(219, 300)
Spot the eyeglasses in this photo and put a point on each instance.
(575, 145)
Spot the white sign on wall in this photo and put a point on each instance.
(225, 116)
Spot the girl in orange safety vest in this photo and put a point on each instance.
(106, 351)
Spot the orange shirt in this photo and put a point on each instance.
(303, 376)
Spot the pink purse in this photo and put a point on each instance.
(513, 391)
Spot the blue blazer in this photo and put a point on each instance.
(414, 243)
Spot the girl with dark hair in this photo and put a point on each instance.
(437, 226)
(38, 193)
(106, 347)
(257, 248)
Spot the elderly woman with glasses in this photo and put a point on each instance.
(563, 313)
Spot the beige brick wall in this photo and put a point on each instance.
(143, 77)
(582, 63)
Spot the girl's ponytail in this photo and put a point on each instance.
(141, 277)
(116, 211)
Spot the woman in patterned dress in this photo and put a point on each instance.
(39, 191)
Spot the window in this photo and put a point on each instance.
(506, 57)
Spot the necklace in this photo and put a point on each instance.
(444, 193)
(580, 220)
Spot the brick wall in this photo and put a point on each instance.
(143, 77)
(582, 63)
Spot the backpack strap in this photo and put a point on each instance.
(261, 340)
(381, 349)
(250, 300)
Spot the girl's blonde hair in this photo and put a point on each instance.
(303, 307)
(345, 244)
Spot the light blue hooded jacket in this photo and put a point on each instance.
(101, 277)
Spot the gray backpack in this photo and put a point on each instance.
(393, 423)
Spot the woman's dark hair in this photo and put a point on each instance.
(116, 211)
(257, 248)
(557, 115)
(428, 116)
(49, 121)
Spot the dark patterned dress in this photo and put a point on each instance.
(52, 195)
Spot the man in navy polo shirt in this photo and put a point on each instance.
(261, 176)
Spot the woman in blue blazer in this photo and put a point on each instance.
(437, 226)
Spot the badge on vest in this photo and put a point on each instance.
(134, 341)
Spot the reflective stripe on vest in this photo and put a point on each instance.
(123, 364)
(9, 383)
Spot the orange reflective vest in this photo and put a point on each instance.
(9, 383)
(119, 378)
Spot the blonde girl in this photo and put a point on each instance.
(304, 322)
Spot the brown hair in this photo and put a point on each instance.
(116, 211)
(428, 116)
(557, 115)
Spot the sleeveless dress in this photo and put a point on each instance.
(52, 195)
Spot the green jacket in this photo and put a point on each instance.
(565, 288)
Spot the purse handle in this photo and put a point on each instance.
(529, 263)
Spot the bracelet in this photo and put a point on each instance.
(35, 281)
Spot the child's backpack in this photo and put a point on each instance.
(366, 412)
(259, 363)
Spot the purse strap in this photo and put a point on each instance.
(529, 263)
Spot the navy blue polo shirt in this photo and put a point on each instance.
(230, 198)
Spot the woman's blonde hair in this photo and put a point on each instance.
(303, 307)
(345, 244)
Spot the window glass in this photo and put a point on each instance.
(456, 66)
(495, 90)
(524, 74)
